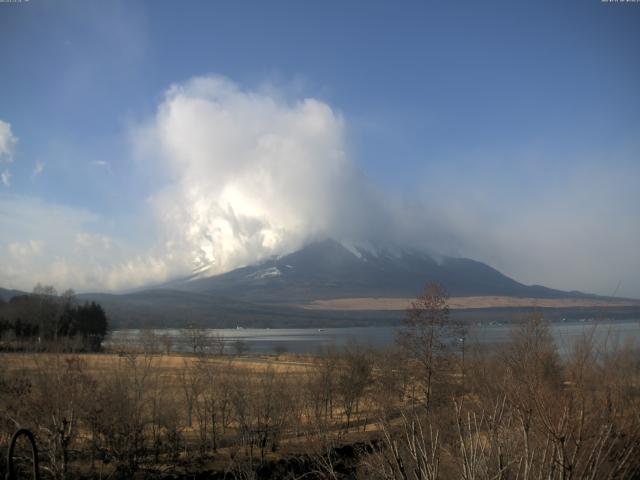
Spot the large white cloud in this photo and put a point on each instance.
(249, 174)
(252, 174)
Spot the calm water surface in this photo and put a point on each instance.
(311, 340)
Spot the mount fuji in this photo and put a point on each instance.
(330, 269)
(329, 283)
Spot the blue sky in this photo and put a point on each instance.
(504, 131)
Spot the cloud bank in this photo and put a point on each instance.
(247, 174)
(54, 244)
(252, 174)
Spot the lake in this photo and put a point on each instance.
(611, 333)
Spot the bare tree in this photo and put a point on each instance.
(354, 375)
(216, 343)
(321, 387)
(240, 347)
(411, 450)
(428, 336)
(190, 385)
(391, 380)
(60, 386)
(149, 340)
(196, 338)
(167, 343)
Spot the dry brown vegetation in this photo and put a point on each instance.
(418, 410)
(117, 414)
(488, 301)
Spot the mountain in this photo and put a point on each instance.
(302, 289)
(7, 295)
(330, 270)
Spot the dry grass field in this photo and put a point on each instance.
(188, 412)
(387, 303)
(99, 363)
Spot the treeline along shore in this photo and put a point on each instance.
(43, 318)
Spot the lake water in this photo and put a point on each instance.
(311, 340)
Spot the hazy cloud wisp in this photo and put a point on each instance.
(8, 142)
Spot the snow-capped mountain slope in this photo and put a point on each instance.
(329, 269)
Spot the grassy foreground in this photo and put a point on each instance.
(514, 412)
